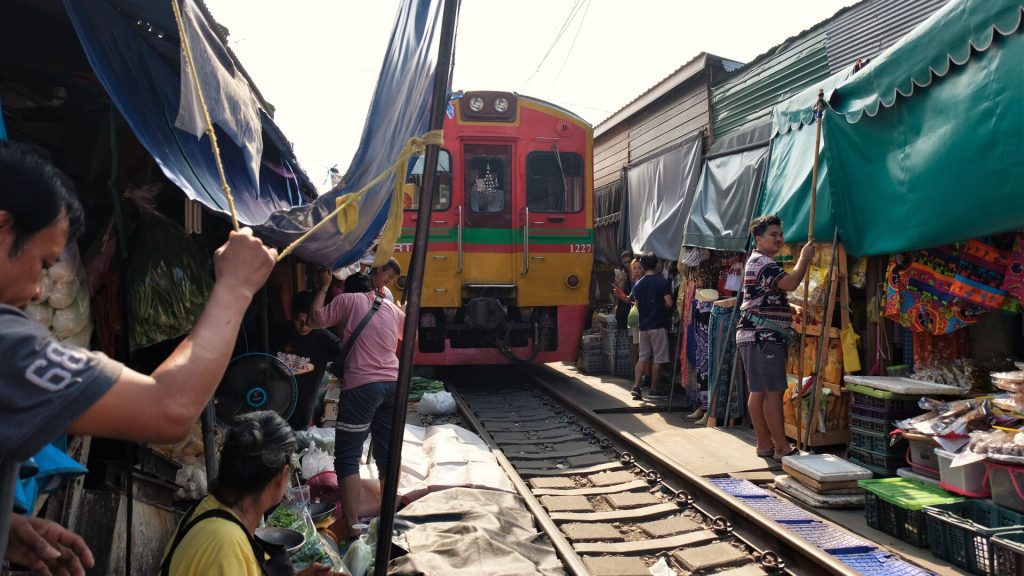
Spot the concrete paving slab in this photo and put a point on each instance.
(611, 478)
(711, 556)
(586, 460)
(646, 546)
(519, 454)
(655, 511)
(582, 532)
(594, 490)
(566, 503)
(669, 526)
(755, 476)
(528, 426)
(748, 570)
(517, 438)
(556, 482)
(632, 500)
(582, 471)
(616, 566)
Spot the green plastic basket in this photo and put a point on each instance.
(1008, 552)
(961, 533)
(895, 506)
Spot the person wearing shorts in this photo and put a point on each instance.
(367, 401)
(761, 345)
(653, 299)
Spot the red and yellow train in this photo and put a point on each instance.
(510, 251)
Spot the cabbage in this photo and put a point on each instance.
(62, 294)
(68, 321)
(40, 313)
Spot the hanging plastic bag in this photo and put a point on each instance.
(316, 461)
(437, 403)
(71, 319)
(851, 357)
(633, 320)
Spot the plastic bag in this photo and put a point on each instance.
(294, 514)
(633, 320)
(316, 461)
(68, 321)
(82, 338)
(359, 557)
(66, 268)
(436, 403)
(62, 294)
(40, 313)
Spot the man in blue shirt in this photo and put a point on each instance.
(653, 298)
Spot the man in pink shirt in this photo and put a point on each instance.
(367, 399)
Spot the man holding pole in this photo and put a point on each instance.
(762, 334)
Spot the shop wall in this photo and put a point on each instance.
(680, 114)
(611, 154)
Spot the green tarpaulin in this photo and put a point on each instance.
(943, 161)
(922, 147)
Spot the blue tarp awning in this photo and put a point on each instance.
(133, 47)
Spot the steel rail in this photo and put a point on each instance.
(697, 485)
(563, 549)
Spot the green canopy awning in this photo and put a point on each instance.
(926, 143)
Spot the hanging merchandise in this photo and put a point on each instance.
(1013, 282)
(918, 292)
(63, 305)
(169, 277)
(981, 271)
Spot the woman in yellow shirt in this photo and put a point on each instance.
(216, 537)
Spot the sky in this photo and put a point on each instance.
(317, 61)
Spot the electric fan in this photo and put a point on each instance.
(253, 382)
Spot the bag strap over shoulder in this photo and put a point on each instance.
(185, 525)
(343, 354)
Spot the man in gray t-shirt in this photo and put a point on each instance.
(48, 388)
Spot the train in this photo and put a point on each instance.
(510, 249)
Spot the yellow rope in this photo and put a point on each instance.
(206, 114)
(347, 203)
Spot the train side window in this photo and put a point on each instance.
(554, 181)
(442, 184)
(487, 177)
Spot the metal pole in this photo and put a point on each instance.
(819, 114)
(414, 286)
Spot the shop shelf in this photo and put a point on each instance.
(961, 532)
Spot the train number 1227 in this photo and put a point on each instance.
(581, 248)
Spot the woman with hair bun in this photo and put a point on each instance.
(216, 537)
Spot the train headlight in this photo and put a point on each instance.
(501, 105)
(476, 104)
(572, 281)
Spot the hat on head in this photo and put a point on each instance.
(706, 295)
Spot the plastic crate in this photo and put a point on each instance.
(592, 341)
(618, 343)
(618, 365)
(884, 401)
(881, 564)
(894, 506)
(967, 480)
(869, 424)
(883, 460)
(921, 455)
(878, 472)
(1008, 554)
(1007, 484)
(830, 539)
(961, 532)
(877, 442)
(591, 361)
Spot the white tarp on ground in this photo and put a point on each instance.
(465, 531)
(447, 456)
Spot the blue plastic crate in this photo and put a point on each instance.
(778, 510)
(830, 539)
(739, 487)
(881, 564)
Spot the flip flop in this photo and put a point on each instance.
(768, 453)
(792, 450)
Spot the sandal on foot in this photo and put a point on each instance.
(766, 453)
(793, 451)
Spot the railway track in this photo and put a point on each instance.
(610, 504)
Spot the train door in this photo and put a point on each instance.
(555, 255)
(440, 285)
(487, 219)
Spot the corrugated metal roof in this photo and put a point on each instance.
(858, 31)
(873, 26)
(749, 96)
(688, 70)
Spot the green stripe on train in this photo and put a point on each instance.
(506, 236)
